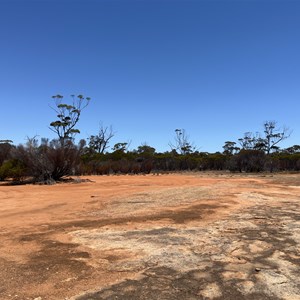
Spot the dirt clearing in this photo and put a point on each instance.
(193, 236)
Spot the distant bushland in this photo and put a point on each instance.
(49, 161)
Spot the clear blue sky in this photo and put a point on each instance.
(215, 68)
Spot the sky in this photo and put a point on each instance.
(217, 69)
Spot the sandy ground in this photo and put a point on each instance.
(192, 236)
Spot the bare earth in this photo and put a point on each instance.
(193, 236)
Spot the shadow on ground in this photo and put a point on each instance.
(253, 255)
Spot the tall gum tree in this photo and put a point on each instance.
(68, 116)
(274, 135)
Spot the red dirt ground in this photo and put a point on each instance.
(173, 236)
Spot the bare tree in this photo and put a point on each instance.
(182, 143)
(274, 135)
(268, 141)
(100, 142)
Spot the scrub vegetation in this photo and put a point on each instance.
(48, 161)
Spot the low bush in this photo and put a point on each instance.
(12, 169)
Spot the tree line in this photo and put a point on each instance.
(48, 161)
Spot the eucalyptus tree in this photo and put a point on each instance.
(68, 116)
(182, 142)
(230, 148)
(268, 140)
(100, 142)
(63, 155)
(273, 135)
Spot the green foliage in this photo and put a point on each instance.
(5, 150)
(292, 149)
(68, 116)
(214, 161)
(49, 161)
(146, 150)
(6, 141)
(120, 147)
(12, 169)
(230, 148)
(248, 161)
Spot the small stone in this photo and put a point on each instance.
(264, 234)
(257, 269)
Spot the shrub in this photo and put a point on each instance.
(13, 169)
